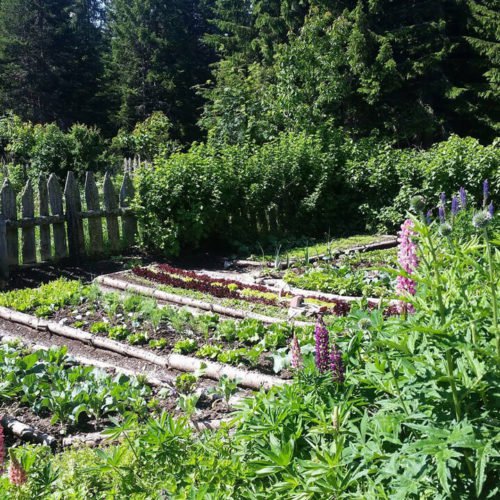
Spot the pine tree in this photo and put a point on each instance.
(50, 59)
(157, 59)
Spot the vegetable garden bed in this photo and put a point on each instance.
(286, 256)
(48, 391)
(163, 335)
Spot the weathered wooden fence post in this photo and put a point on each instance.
(76, 240)
(56, 206)
(4, 265)
(95, 223)
(111, 205)
(43, 200)
(9, 210)
(129, 222)
(28, 231)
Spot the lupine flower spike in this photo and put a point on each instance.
(454, 206)
(321, 339)
(428, 216)
(17, 475)
(442, 216)
(407, 257)
(2, 450)
(296, 353)
(486, 192)
(336, 365)
(463, 198)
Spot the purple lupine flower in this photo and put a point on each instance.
(491, 209)
(296, 353)
(442, 197)
(486, 192)
(322, 341)
(454, 206)
(408, 260)
(428, 217)
(463, 197)
(442, 216)
(336, 364)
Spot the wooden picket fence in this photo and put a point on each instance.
(60, 219)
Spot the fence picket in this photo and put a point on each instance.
(95, 224)
(129, 222)
(43, 200)
(111, 204)
(56, 206)
(76, 241)
(4, 266)
(28, 212)
(9, 211)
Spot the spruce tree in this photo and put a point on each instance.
(50, 59)
(157, 59)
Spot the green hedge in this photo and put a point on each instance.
(297, 185)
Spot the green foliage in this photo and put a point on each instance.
(50, 150)
(47, 381)
(150, 138)
(236, 193)
(185, 346)
(186, 383)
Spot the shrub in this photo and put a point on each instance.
(149, 138)
(237, 193)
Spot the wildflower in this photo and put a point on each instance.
(428, 217)
(442, 197)
(321, 339)
(417, 203)
(17, 475)
(454, 206)
(481, 219)
(2, 449)
(491, 209)
(336, 365)
(296, 353)
(442, 216)
(463, 197)
(408, 260)
(486, 192)
(445, 229)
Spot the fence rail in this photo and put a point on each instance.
(60, 220)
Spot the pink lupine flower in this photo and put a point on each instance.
(17, 475)
(2, 450)
(322, 342)
(296, 353)
(408, 260)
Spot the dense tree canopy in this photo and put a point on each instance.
(239, 71)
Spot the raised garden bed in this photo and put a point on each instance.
(352, 275)
(288, 255)
(48, 392)
(173, 337)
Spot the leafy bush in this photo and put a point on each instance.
(381, 179)
(149, 138)
(48, 149)
(236, 193)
